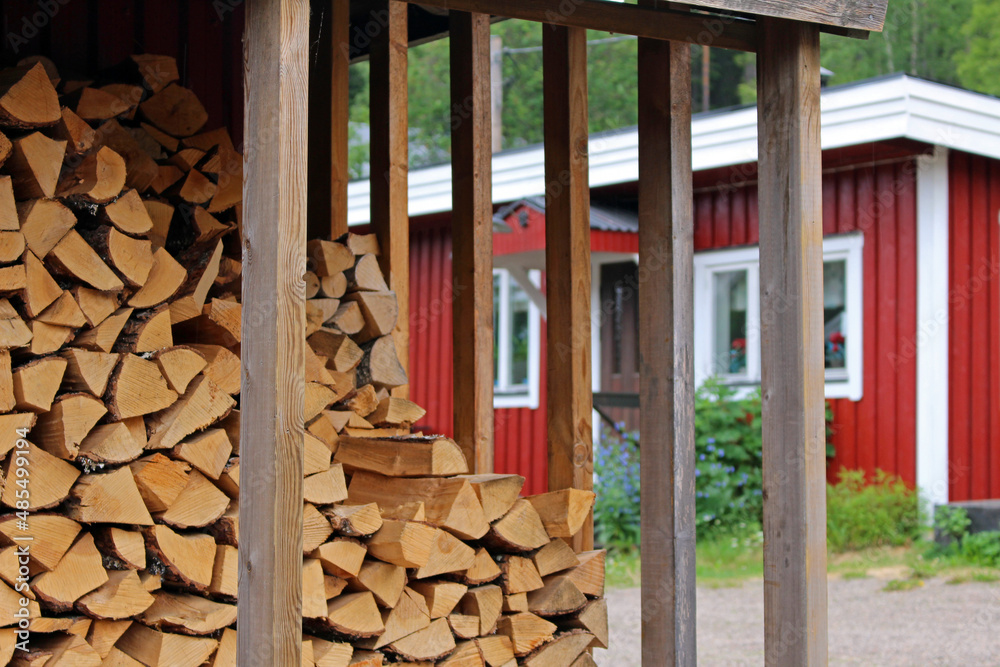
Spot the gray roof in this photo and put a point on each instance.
(604, 218)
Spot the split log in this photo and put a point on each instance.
(392, 411)
(341, 557)
(34, 165)
(361, 244)
(188, 558)
(166, 277)
(486, 603)
(11, 246)
(64, 312)
(526, 631)
(325, 488)
(95, 305)
(125, 546)
(161, 214)
(332, 287)
(61, 430)
(519, 530)
(355, 615)
(122, 596)
(223, 367)
(73, 257)
(10, 424)
(432, 643)
(79, 572)
(442, 596)
(497, 493)
(593, 619)
(111, 443)
(515, 603)
(589, 574)
(313, 593)
(8, 208)
(203, 404)
(36, 383)
(380, 311)
(40, 290)
(130, 257)
(316, 456)
(140, 168)
(448, 555)
(564, 650)
(450, 503)
(342, 352)
(44, 222)
(464, 626)
(354, 520)
(46, 339)
(27, 98)
(146, 331)
(229, 480)
(563, 512)
(466, 654)
(558, 596)
(430, 456)
(96, 105)
(13, 333)
(179, 366)
(384, 580)
(403, 543)
(199, 504)
(366, 276)
(102, 635)
(482, 570)
(175, 110)
(203, 267)
(159, 480)
(328, 258)
(346, 318)
(151, 647)
(519, 575)
(98, 179)
(497, 650)
(51, 537)
(315, 528)
(128, 214)
(137, 388)
(76, 132)
(110, 497)
(188, 614)
(207, 451)
(225, 572)
(555, 556)
(380, 364)
(104, 336)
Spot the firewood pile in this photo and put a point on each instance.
(119, 421)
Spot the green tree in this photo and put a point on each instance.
(978, 65)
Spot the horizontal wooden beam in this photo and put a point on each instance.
(868, 15)
(714, 30)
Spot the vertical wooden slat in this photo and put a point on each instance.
(329, 101)
(666, 354)
(472, 237)
(791, 287)
(567, 265)
(272, 398)
(389, 159)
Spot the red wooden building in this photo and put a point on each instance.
(911, 193)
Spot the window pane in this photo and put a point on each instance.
(496, 330)
(729, 291)
(519, 336)
(835, 313)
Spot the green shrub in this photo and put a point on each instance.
(616, 481)
(864, 513)
(982, 548)
(951, 523)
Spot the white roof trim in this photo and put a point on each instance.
(876, 110)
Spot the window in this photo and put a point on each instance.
(516, 339)
(727, 316)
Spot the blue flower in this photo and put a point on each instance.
(697, 473)
(711, 440)
(701, 457)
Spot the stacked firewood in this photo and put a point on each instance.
(119, 421)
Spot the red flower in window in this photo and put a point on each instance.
(740, 344)
(837, 338)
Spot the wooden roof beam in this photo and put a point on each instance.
(728, 32)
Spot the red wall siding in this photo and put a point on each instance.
(520, 433)
(974, 328)
(879, 431)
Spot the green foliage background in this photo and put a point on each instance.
(951, 41)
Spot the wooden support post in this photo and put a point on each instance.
(666, 353)
(472, 237)
(389, 160)
(274, 260)
(567, 265)
(329, 103)
(791, 288)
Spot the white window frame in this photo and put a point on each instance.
(502, 396)
(839, 384)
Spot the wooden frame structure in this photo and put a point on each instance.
(278, 109)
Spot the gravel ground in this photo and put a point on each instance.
(937, 624)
